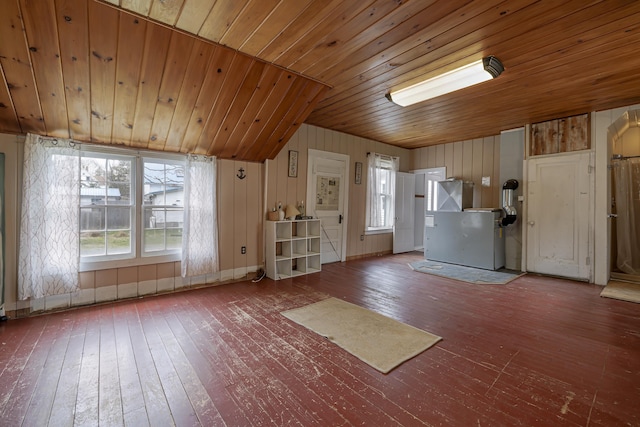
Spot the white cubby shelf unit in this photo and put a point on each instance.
(293, 248)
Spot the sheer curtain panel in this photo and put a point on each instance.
(49, 246)
(627, 192)
(381, 184)
(200, 229)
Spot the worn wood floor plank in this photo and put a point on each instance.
(155, 400)
(67, 388)
(205, 411)
(182, 411)
(133, 405)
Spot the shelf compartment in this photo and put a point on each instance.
(298, 266)
(283, 268)
(283, 249)
(299, 247)
(283, 230)
(313, 263)
(313, 228)
(313, 245)
(298, 229)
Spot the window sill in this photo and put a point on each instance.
(371, 231)
(131, 262)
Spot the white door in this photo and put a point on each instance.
(403, 238)
(558, 215)
(327, 191)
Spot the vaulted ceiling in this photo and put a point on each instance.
(236, 78)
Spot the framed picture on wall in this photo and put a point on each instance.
(358, 172)
(293, 163)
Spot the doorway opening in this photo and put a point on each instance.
(624, 144)
(425, 195)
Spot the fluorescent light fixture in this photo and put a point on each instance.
(468, 75)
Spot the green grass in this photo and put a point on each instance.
(118, 242)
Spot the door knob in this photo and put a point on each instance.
(532, 223)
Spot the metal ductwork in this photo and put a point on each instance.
(507, 202)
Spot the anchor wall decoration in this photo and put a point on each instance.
(241, 175)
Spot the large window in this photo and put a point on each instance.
(130, 206)
(381, 184)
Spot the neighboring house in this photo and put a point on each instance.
(96, 195)
(162, 218)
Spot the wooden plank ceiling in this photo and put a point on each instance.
(235, 78)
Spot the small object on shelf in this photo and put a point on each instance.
(272, 215)
(280, 212)
(301, 208)
(291, 212)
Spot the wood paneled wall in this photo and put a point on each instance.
(470, 161)
(240, 217)
(288, 190)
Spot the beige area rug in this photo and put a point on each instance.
(380, 341)
(622, 290)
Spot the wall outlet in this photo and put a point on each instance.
(362, 237)
(243, 250)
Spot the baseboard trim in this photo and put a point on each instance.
(355, 257)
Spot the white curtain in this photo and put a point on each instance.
(627, 196)
(200, 230)
(381, 184)
(49, 244)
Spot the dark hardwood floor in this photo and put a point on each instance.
(535, 352)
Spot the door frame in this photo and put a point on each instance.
(419, 223)
(313, 154)
(615, 131)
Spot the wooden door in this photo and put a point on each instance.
(559, 232)
(327, 191)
